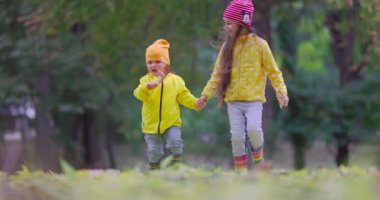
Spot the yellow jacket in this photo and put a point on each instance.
(160, 109)
(250, 68)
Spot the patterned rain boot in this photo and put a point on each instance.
(257, 155)
(258, 159)
(240, 163)
(154, 166)
(177, 159)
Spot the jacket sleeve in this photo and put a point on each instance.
(142, 92)
(210, 88)
(185, 97)
(274, 73)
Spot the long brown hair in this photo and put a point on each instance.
(168, 69)
(225, 63)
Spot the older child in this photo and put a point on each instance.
(161, 93)
(239, 77)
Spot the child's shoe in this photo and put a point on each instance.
(264, 165)
(154, 166)
(240, 163)
(257, 155)
(176, 160)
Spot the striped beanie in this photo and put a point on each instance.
(240, 12)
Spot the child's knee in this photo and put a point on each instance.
(177, 143)
(237, 139)
(238, 145)
(175, 146)
(254, 130)
(256, 138)
(154, 155)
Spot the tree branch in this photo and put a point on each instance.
(366, 50)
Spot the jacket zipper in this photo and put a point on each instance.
(239, 66)
(160, 113)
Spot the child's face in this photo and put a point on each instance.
(155, 67)
(230, 27)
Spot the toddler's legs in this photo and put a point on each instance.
(174, 143)
(237, 130)
(254, 129)
(154, 151)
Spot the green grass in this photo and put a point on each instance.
(190, 183)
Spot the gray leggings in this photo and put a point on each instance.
(245, 117)
(155, 144)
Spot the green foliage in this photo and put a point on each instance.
(118, 33)
(365, 19)
(204, 137)
(186, 183)
(286, 27)
(14, 60)
(67, 169)
(304, 115)
(99, 67)
(317, 100)
(358, 103)
(313, 54)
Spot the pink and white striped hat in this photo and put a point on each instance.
(240, 12)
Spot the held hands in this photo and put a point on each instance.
(201, 103)
(282, 99)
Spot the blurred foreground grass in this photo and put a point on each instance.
(190, 183)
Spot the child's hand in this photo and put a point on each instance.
(283, 99)
(152, 85)
(201, 103)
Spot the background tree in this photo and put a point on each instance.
(353, 29)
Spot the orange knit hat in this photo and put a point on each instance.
(159, 50)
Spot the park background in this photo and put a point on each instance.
(68, 69)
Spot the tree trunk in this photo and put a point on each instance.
(342, 45)
(299, 145)
(110, 133)
(11, 144)
(74, 131)
(47, 149)
(342, 153)
(11, 155)
(109, 142)
(92, 151)
(261, 19)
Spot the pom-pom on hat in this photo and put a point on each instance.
(159, 50)
(240, 12)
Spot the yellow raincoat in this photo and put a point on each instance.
(253, 62)
(160, 109)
